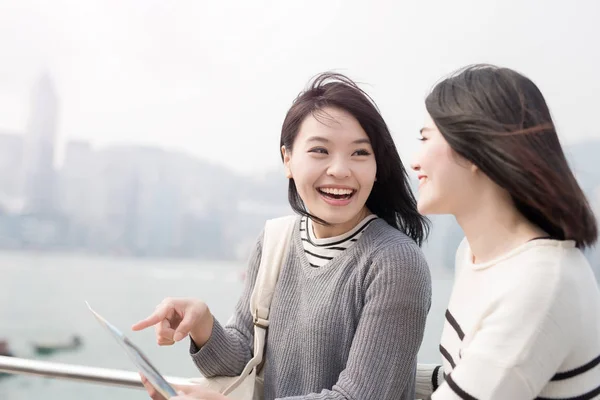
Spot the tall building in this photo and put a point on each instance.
(11, 153)
(39, 177)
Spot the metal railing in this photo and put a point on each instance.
(103, 376)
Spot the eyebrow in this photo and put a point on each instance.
(325, 140)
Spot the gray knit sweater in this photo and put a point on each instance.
(350, 329)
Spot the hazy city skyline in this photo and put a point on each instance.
(215, 79)
(133, 200)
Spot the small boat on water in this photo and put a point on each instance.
(6, 352)
(45, 348)
(4, 349)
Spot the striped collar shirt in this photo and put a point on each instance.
(321, 251)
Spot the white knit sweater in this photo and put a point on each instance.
(524, 326)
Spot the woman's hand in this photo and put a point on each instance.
(174, 319)
(191, 392)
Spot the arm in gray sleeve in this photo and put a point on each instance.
(229, 347)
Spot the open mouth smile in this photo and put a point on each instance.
(336, 196)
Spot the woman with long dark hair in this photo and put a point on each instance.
(523, 319)
(350, 305)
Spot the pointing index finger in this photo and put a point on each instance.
(152, 320)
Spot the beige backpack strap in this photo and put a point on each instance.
(276, 242)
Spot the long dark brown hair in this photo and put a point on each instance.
(498, 119)
(391, 197)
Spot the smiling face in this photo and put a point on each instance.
(446, 181)
(333, 167)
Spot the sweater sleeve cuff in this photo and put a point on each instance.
(429, 378)
(214, 356)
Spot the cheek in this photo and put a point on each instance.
(304, 172)
(452, 181)
(445, 165)
(441, 168)
(435, 158)
(368, 174)
(440, 164)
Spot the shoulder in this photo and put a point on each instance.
(393, 267)
(550, 277)
(386, 249)
(381, 236)
(545, 286)
(555, 261)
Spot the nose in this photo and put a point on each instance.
(415, 166)
(339, 168)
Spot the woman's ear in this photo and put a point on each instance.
(286, 162)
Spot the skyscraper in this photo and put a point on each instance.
(39, 177)
(11, 155)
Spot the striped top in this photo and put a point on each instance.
(321, 251)
(524, 326)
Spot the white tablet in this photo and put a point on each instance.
(138, 358)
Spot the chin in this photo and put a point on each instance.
(335, 218)
(331, 218)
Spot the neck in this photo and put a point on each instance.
(327, 231)
(494, 227)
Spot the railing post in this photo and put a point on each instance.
(81, 373)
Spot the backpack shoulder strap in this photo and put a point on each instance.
(276, 242)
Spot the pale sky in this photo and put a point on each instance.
(215, 79)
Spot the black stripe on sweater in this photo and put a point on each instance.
(318, 255)
(577, 371)
(447, 356)
(328, 248)
(457, 389)
(450, 318)
(586, 396)
(434, 378)
(351, 237)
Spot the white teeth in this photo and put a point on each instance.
(337, 192)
